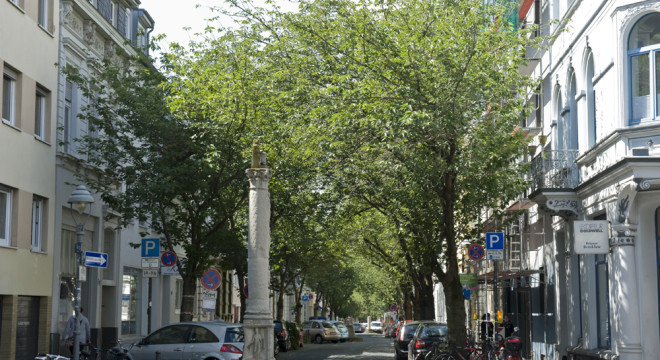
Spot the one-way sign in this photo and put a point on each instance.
(96, 259)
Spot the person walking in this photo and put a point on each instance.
(68, 335)
(508, 326)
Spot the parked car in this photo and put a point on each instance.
(425, 337)
(343, 330)
(359, 328)
(283, 339)
(201, 340)
(320, 331)
(404, 334)
(376, 326)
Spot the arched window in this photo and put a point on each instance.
(591, 101)
(644, 65)
(570, 116)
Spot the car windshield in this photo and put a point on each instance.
(410, 330)
(327, 325)
(375, 324)
(434, 331)
(234, 334)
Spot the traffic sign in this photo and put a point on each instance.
(495, 254)
(305, 298)
(150, 248)
(494, 241)
(211, 279)
(393, 307)
(168, 258)
(149, 273)
(96, 259)
(476, 252)
(150, 263)
(245, 291)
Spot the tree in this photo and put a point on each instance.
(172, 148)
(417, 100)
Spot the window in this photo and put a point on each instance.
(5, 216)
(644, 67)
(178, 295)
(591, 102)
(69, 118)
(44, 14)
(9, 78)
(603, 301)
(40, 114)
(130, 295)
(37, 223)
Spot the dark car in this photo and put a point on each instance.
(283, 339)
(427, 335)
(404, 334)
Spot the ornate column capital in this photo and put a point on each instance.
(623, 235)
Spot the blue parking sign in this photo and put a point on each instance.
(151, 248)
(494, 241)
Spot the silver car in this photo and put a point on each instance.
(192, 340)
(320, 331)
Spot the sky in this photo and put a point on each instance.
(171, 16)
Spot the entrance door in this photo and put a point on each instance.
(525, 319)
(27, 327)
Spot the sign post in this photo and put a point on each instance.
(150, 264)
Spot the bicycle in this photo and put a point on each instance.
(117, 352)
(453, 352)
(50, 357)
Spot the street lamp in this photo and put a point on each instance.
(79, 199)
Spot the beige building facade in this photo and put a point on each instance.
(28, 57)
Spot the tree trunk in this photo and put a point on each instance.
(280, 303)
(188, 298)
(423, 303)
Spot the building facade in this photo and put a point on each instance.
(594, 157)
(28, 54)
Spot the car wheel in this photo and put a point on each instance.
(318, 339)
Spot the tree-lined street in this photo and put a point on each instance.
(372, 347)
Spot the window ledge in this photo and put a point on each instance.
(8, 247)
(11, 125)
(42, 140)
(41, 252)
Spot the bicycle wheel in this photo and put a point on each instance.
(445, 357)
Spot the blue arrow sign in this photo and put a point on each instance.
(95, 259)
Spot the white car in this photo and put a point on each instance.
(376, 326)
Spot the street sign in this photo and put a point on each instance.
(476, 252)
(150, 248)
(170, 271)
(95, 259)
(495, 255)
(494, 241)
(211, 279)
(305, 298)
(393, 308)
(150, 263)
(149, 273)
(208, 299)
(168, 258)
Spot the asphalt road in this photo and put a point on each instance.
(374, 347)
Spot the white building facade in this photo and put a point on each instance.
(594, 156)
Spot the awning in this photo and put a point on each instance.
(524, 8)
(521, 205)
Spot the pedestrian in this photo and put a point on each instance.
(486, 327)
(68, 335)
(508, 326)
(490, 326)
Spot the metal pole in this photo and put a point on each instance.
(80, 232)
(149, 310)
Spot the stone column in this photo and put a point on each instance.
(624, 281)
(258, 321)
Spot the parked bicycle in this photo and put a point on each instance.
(50, 357)
(117, 352)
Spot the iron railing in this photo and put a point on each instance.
(555, 169)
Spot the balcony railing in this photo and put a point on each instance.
(555, 169)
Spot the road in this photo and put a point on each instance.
(373, 347)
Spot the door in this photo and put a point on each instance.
(27, 327)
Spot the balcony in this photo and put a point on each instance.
(555, 169)
(554, 175)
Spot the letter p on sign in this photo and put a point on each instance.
(495, 241)
(150, 248)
